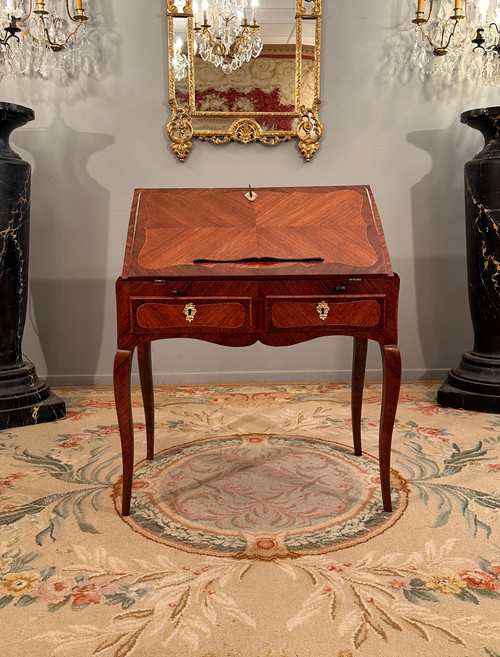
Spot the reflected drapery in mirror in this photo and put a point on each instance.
(266, 92)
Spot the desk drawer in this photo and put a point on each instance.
(323, 312)
(192, 314)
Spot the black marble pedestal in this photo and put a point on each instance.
(24, 398)
(475, 383)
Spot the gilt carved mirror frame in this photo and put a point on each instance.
(297, 120)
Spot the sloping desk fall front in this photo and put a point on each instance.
(278, 265)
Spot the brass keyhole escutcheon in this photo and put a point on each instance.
(323, 309)
(250, 195)
(189, 312)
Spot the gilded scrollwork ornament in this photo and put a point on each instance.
(302, 9)
(272, 138)
(174, 10)
(273, 99)
(309, 131)
(180, 130)
(246, 131)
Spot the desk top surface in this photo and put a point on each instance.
(278, 232)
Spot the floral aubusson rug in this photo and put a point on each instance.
(255, 531)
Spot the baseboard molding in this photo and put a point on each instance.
(288, 376)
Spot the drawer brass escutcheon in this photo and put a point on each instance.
(189, 312)
(323, 309)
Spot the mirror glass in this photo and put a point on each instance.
(180, 60)
(270, 96)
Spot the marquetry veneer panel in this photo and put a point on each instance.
(295, 313)
(206, 314)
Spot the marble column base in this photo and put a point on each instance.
(25, 399)
(474, 385)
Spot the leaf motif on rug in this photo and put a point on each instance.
(158, 598)
(429, 582)
(89, 483)
(368, 597)
(380, 585)
(426, 473)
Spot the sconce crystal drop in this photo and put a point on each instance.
(44, 38)
(458, 39)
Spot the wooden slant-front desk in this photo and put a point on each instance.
(275, 265)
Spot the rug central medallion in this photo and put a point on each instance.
(261, 496)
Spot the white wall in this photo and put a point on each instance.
(93, 142)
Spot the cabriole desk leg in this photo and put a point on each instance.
(146, 378)
(121, 381)
(391, 360)
(358, 380)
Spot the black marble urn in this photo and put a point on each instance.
(475, 383)
(24, 398)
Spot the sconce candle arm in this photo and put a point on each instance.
(11, 32)
(420, 20)
(459, 28)
(447, 29)
(19, 24)
(479, 39)
(33, 29)
(57, 45)
(444, 46)
(495, 26)
(24, 17)
(40, 8)
(79, 17)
